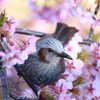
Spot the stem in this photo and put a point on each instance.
(19, 71)
(88, 42)
(3, 75)
(29, 32)
(91, 29)
(4, 81)
(20, 98)
(91, 34)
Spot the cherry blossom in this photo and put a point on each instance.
(97, 22)
(96, 85)
(81, 77)
(58, 13)
(73, 48)
(10, 58)
(64, 85)
(9, 26)
(86, 16)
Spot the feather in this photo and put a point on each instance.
(64, 33)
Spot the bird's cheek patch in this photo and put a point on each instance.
(42, 55)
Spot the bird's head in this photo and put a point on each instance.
(50, 50)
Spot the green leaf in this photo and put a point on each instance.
(96, 37)
(50, 97)
(80, 80)
(3, 18)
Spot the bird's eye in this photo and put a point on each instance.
(50, 50)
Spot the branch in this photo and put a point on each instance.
(20, 98)
(4, 81)
(88, 42)
(20, 73)
(18, 69)
(41, 34)
(91, 29)
(29, 32)
(3, 76)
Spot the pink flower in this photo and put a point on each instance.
(77, 64)
(69, 97)
(97, 22)
(10, 26)
(12, 62)
(55, 14)
(2, 54)
(85, 16)
(62, 95)
(72, 3)
(50, 14)
(74, 67)
(70, 78)
(95, 53)
(64, 85)
(27, 48)
(96, 85)
(73, 48)
(29, 45)
(11, 59)
(76, 72)
(22, 54)
(65, 96)
(77, 37)
(31, 48)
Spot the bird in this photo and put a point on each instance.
(46, 65)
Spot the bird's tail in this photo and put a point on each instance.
(64, 33)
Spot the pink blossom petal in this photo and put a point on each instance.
(96, 85)
(64, 85)
(23, 55)
(2, 54)
(76, 72)
(78, 64)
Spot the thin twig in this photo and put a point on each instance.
(20, 72)
(21, 98)
(41, 34)
(3, 75)
(88, 42)
(30, 32)
(91, 29)
(4, 81)
(4, 45)
(18, 69)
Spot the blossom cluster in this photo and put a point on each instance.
(15, 56)
(80, 81)
(62, 10)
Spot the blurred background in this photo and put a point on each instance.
(21, 11)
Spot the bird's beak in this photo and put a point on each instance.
(64, 55)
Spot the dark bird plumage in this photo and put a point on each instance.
(42, 67)
(46, 65)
